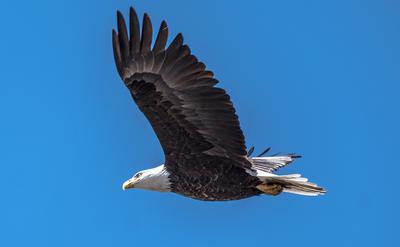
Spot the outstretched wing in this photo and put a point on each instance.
(176, 93)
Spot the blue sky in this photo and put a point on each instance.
(320, 78)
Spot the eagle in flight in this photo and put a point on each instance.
(195, 122)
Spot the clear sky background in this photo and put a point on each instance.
(319, 78)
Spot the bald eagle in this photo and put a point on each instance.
(195, 122)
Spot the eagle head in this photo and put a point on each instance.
(151, 179)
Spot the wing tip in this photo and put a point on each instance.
(132, 14)
(180, 37)
(120, 16)
(163, 24)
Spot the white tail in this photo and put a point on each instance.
(272, 163)
(292, 183)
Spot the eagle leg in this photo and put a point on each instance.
(270, 189)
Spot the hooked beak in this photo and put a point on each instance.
(129, 184)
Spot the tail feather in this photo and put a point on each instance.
(272, 163)
(293, 183)
(302, 192)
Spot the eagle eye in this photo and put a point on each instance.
(138, 175)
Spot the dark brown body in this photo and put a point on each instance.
(213, 180)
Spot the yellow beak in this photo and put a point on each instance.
(129, 184)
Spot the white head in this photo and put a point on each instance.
(150, 179)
